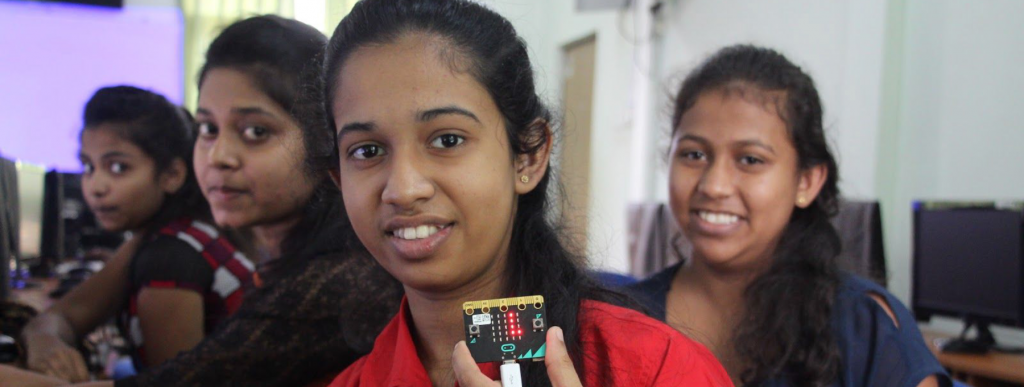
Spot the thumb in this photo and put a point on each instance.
(559, 364)
(467, 373)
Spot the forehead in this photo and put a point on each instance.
(107, 137)
(734, 114)
(394, 80)
(227, 87)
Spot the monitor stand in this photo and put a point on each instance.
(980, 344)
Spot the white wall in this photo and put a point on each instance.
(959, 132)
(839, 43)
(547, 26)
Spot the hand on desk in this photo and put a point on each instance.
(11, 376)
(51, 356)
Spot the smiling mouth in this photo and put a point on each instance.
(718, 218)
(417, 232)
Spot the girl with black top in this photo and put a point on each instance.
(753, 185)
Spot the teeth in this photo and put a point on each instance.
(718, 218)
(411, 233)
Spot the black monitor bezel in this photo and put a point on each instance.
(925, 313)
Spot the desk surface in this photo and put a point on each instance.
(1001, 366)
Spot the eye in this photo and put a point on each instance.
(87, 168)
(118, 168)
(207, 129)
(255, 133)
(751, 160)
(447, 141)
(693, 155)
(366, 152)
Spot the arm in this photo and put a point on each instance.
(50, 336)
(171, 321)
(291, 332)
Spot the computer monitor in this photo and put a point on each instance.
(969, 264)
(70, 229)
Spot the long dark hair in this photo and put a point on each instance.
(785, 331)
(163, 131)
(486, 46)
(282, 57)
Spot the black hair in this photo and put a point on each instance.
(786, 330)
(483, 44)
(162, 130)
(282, 57)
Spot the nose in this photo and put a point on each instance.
(407, 183)
(95, 185)
(223, 154)
(718, 180)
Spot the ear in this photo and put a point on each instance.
(534, 165)
(174, 176)
(335, 176)
(809, 185)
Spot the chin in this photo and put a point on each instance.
(230, 219)
(112, 226)
(716, 254)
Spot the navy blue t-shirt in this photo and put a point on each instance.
(875, 351)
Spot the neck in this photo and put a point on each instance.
(725, 286)
(438, 323)
(268, 237)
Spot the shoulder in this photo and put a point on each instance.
(615, 329)
(191, 253)
(350, 376)
(644, 351)
(652, 291)
(163, 252)
(879, 337)
(658, 282)
(860, 297)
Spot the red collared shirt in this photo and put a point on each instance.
(623, 348)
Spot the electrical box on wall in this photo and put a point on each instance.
(601, 5)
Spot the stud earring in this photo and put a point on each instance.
(801, 200)
(525, 179)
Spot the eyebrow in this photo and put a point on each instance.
(699, 139)
(428, 115)
(83, 156)
(423, 116)
(756, 143)
(741, 143)
(355, 127)
(245, 110)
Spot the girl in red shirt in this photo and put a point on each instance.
(444, 150)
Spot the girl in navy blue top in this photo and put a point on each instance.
(753, 185)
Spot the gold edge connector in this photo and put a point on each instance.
(470, 306)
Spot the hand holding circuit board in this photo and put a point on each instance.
(506, 329)
(511, 330)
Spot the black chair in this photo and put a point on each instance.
(859, 224)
